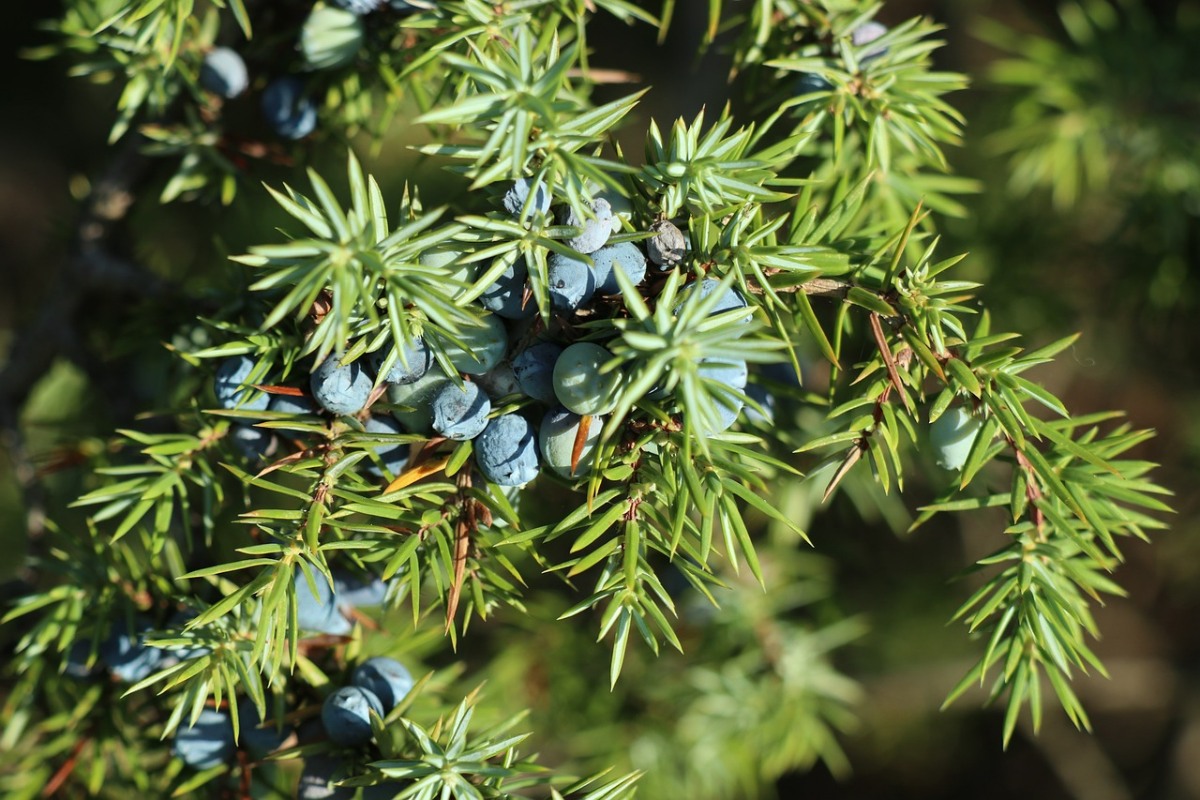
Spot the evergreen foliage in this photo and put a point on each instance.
(815, 218)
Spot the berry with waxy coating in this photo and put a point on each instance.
(506, 296)
(331, 37)
(534, 368)
(724, 371)
(570, 282)
(223, 73)
(353, 591)
(320, 771)
(518, 194)
(417, 417)
(460, 414)
(556, 439)
(231, 385)
(75, 664)
(289, 111)
(340, 388)
(393, 456)
(483, 346)
(578, 383)
(761, 395)
(728, 409)
(865, 34)
(386, 678)
(731, 298)
(128, 656)
(207, 744)
(595, 231)
(178, 622)
(500, 381)
(318, 612)
(778, 377)
(254, 443)
(292, 404)
(346, 715)
(668, 246)
(506, 452)
(258, 735)
(621, 207)
(952, 436)
(412, 361)
(810, 83)
(728, 373)
(450, 259)
(625, 256)
(782, 372)
(359, 7)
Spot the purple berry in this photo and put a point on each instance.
(409, 6)
(177, 622)
(725, 372)
(730, 374)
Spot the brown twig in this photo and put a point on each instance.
(889, 361)
(817, 287)
(60, 777)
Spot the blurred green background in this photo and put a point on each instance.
(1119, 262)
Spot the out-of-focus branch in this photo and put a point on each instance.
(90, 272)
